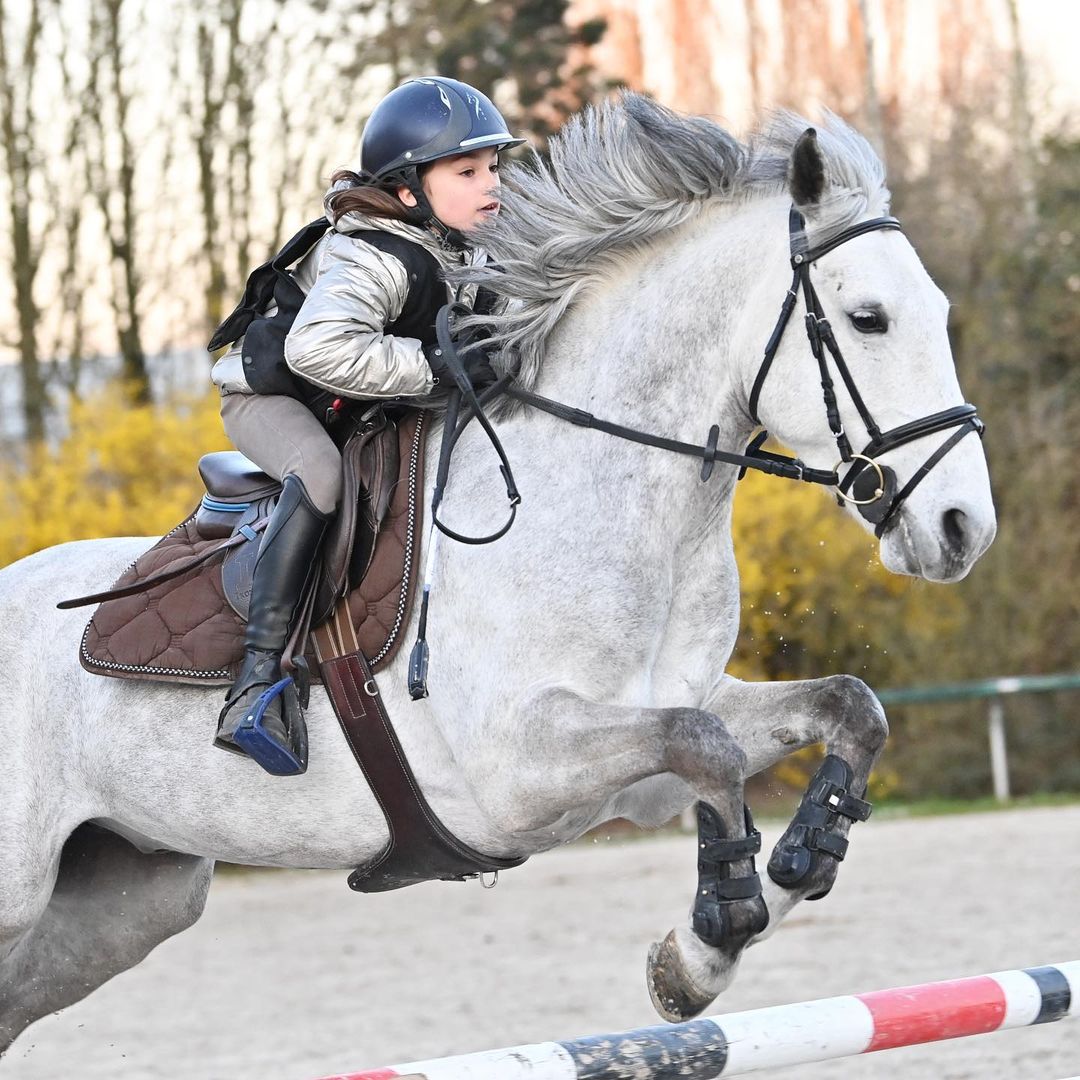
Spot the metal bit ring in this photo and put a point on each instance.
(880, 476)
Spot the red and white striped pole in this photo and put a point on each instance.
(747, 1042)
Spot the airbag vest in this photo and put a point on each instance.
(264, 336)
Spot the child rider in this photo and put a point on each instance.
(428, 174)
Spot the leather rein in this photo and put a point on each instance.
(867, 484)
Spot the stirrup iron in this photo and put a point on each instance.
(261, 745)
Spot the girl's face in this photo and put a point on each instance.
(463, 190)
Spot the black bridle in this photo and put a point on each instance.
(872, 486)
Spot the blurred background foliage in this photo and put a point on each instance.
(151, 154)
(123, 468)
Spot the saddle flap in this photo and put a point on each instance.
(168, 618)
(371, 461)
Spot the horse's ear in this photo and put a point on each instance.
(806, 174)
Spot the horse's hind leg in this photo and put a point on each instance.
(24, 896)
(109, 907)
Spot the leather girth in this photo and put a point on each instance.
(421, 848)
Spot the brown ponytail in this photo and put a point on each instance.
(366, 197)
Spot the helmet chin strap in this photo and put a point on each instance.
(423, 215)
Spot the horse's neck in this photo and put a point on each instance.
(663, 345)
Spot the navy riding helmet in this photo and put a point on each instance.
(422, 121)
(427, 119)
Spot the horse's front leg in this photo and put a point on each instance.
(576, 755)
(770, 721)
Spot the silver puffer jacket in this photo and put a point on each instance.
(354, 291)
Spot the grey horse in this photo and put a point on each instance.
(578, 663)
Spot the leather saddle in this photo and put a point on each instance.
(177, 613)
(239, 496)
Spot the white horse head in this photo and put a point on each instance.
(888, 320)
(649, 263)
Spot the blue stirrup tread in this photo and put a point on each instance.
(259, 744)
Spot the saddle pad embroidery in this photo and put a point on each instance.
(185, 631)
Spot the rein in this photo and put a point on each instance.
(867, 484)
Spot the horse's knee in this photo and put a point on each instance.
(856, 707)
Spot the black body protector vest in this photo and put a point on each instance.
(264, 336)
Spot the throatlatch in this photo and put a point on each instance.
(717, 890)
(813, 832)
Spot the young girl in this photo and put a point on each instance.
(428, 175)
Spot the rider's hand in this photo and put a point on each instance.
(436, 361)
(475, 352)
(479, 369)
(474, 360)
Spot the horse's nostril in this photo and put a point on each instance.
(954, 523)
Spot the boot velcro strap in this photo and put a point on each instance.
(723, 851)
(829, 843)
(732, 889)
(840, 801)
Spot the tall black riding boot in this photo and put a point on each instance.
(262, 716)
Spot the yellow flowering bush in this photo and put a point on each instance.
(817, 601)
(815, 598)
(122, 470)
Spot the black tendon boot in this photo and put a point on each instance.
(262, 716)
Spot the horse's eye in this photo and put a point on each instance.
(869, 321)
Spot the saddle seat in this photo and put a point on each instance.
(233, 482)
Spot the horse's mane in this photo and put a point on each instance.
(624, 172)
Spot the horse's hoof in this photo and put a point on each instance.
(675, 995)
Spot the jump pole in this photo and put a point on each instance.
(746, 1042)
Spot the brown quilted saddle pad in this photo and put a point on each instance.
(186, 630)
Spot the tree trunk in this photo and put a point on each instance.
(17, 134)
(111, 186)
(1022, 125)
(131, 350)
(873, 100)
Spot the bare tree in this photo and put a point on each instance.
(1022, 126)
(112, 182)
(873, 101)
(755, 54)
(17, 137)
(69, 203)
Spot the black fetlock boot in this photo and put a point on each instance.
(812, 847)
(262, 716)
